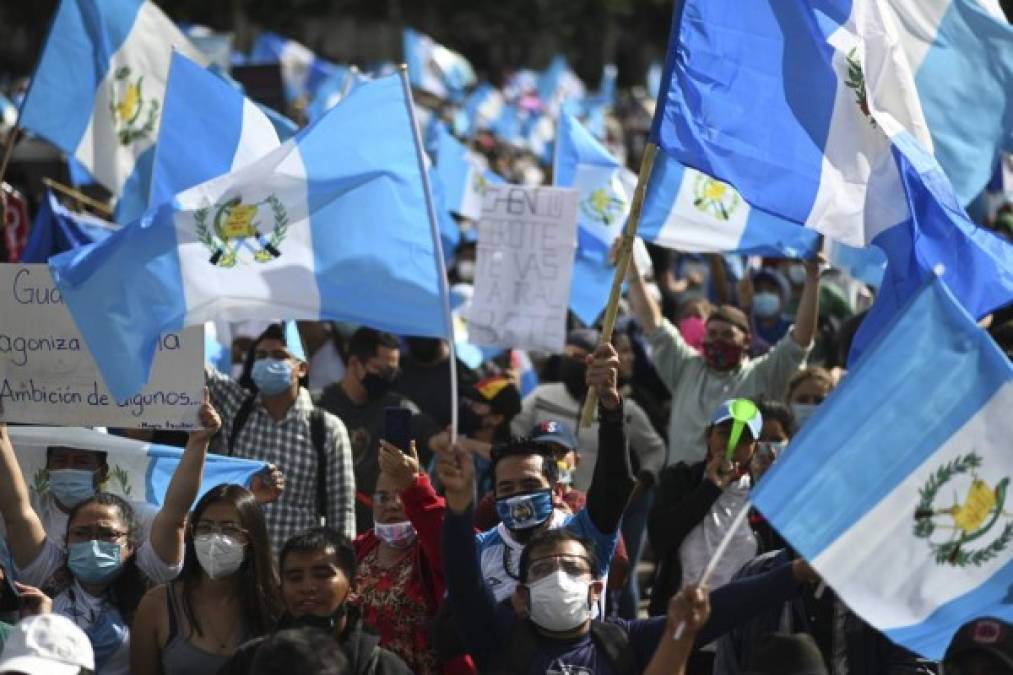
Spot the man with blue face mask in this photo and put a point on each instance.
(268, 415)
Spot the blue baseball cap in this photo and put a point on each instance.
(724, 413)
(551, 431)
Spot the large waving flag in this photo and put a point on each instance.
(57, 229)
(224, 131)
(293, 235)
(961, 51)
(98, 89)
(840, 149)
(462, 174)
(434, 68)
(581, 162)
(916, 540)
(302, 71)
(333, 89)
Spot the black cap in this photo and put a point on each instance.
(787, 654)
(992, 636)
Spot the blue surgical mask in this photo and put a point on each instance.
(95, 561)
(71, 486)
(107, 634)
(766, 304)
(802, 412)
(522, 512)
(272, 376)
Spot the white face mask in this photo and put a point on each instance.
(219, 555)
(559, 602)
(802, 413)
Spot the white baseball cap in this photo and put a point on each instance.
(48, 644)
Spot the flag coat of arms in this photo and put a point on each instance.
(898, 489)
(294, 235)
(98, 89)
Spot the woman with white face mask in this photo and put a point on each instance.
(226, 594)
(399, 571)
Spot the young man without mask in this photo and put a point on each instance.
(317, 568)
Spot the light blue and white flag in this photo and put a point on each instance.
(916, 540)
(220, 129)
(463, 175)
(57, 229)
(138, 471)
(581, 162)
(294, 234)
(216, 47)
(690, 211)
(961, 55)
(98, 89)
(435, 69)
(333, 89)
(842, 145)
(480, 111)
(302, 71)
(559, 88)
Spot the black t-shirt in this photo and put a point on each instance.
(429, 386)
(365, 425)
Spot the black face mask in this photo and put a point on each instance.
(378, 385)
(468, 421)
(573, 375)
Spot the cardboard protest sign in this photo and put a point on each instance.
(47, 375)
(526, 242)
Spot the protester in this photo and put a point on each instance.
(226, 594)
(275, 421)
(425, 377)
(766, 300)
(98, 580)
(688, 611)
(317, 569)
(324, 353)
(788, 654)
(699, 383)
(307, 651)
(806, 390)
(548, 627)
(47, 644)
(399, 573)
(562, 401)
(695, 507)
(360, 400)
(778, 429)
(981, 647)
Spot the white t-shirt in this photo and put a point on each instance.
(701, 542)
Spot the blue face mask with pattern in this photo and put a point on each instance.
(522, 512)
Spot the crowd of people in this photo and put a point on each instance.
(524, 544)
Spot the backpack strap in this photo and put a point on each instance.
(614, 641)
(318, 435)
(239, 421)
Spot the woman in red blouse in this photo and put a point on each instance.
(399, 578)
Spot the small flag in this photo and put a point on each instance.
(435, 69)
(302, 71)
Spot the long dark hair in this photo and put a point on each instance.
(259, 595)
(126, 591)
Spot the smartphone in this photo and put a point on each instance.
(397, 428)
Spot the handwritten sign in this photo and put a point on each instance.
(526, 243)
(47, 374)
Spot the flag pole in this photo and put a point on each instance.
(78, 195)
(719, 552)
(434, 228)
(622, 265)
(9, 149)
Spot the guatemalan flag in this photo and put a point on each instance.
(809, 109)
(897, 491)
(435, 69)
(462, 174)
(302, 71)
(293, 235)
(224, 132)
(98, 89)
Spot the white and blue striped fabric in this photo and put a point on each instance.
(98, 89)
(582, 163)
(220, 129)
(560, 89)
(480, 111)
(292, 235)
(690, 211)
(841, 147)
(461, 175)
(435, 69)
(961, 55)
(333, 89)
(302, 71)
(897, 490)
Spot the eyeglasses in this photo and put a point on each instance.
(228, 529)
(385, 498)
(85, 533)
(575, 566)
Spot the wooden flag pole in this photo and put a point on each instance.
(622, 265)
(8, 150)
(78, 195)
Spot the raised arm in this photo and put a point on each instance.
(25, 534)
(645, 309)
(690, 609)
(168, 526)
(612, 481)
(808, 306)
